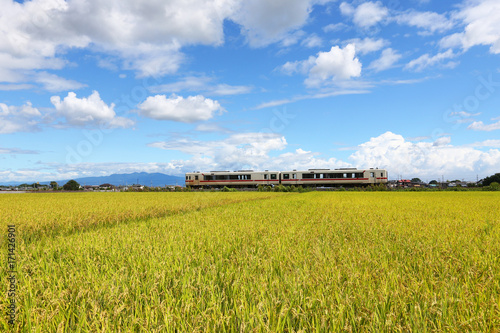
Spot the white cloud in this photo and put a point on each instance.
(246, 151)
(388, 58)
(16, 151)
(333, 27)
(178, 108)
(487, 143)
(333, 66)
(241, 150)
(425, 159)
(426, 60)
(203, 84)
(480, 18)
(265, 22)
(146, 37)
(480, 126)
(88, 111)
(211, 127)
(23, 118)
(365, 15)
(312, 41)
(337, 64)
(226, 90)
(292, 38)
(337, 92)
(430, 22)
(368, 45)
(11, 87)
(54, 83)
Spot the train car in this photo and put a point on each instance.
(311, 177)
(337, 177)
(240, 178)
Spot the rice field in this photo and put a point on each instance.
(255, 262)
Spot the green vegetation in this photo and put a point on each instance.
(491, 179)
(263, 262)
(71, 185)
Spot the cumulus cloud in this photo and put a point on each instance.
(241, 150)
(88, 111)
(387, 60)
(480, 18)
(427, 60)
(146, 37)
(178, 108)
(425, 159)
(333, 66)
(23, 118)
(246, 151)
(365, 15)
(264, 22)
(337, 64)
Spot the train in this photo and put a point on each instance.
(347, 177)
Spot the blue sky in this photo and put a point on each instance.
(90, 88)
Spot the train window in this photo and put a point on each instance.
(294, 176)
(381, 174)
(372, 174)
(209, 177)
(234, 177)
(353, 175)
(308, 175)
(265, 176)
(359, 175)
(286, 176)
(195, 177)
(345, 175)
(187, 177)
(273, 176)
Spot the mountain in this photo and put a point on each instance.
(143, 178)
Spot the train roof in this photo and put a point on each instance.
(286, 171)
(234, 172)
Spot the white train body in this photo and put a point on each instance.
(311, 177)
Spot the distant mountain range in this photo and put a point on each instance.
(142, 178)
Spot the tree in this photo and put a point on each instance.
(433, 182)
(491, 179)
(416, 180)
(72, 185)
(54, 185)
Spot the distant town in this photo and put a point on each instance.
(488, 183)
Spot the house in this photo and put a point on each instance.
(404, 183)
